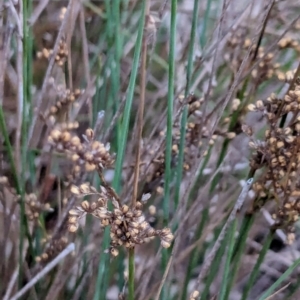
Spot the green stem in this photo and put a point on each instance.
(102, 278)
(168, 153)
(131, 275)
(239, 250)
(231, 240)
(258, 263)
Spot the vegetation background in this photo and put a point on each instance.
(171, 91)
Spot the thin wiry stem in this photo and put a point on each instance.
(19, 19)
(138, 140)
(164, 277)
(141, 107)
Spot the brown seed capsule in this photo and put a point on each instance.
(55, 134)
(231, 135)
(125, 209)
(72, 220)
(89, 167)
(195, 294)
(290, 139)
(85, 205)
(88, 156)
(138, 205)
(73, 227)
(114, 252)
(117, 212)
(74, 212)
(165, 244)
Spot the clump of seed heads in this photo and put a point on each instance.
(279, 155)
(61, 55)
(86, 154)
(128, 226)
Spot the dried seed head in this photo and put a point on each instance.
(251, 107)
(3, 180)
(114, 252)
(125, 209)
(152, 210)
(165, 244)
(195, 294)
(74, 212)
(89, 167)
(85, 205)
(72, 220)
(75, 190)
(73, 227)
(259, 104)
(231, 135)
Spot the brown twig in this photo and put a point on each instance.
(141, 108)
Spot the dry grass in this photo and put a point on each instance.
(149, 149)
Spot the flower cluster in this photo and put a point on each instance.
(34, 207)
(87, 155)
(279, 153)
(195, 133)
(61, 54)
(128, 226)
(52, 250)
(65, 99)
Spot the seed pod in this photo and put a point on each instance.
(85, 205)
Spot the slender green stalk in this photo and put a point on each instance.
(231, 241)
(282, 278)
(171, 79)
(131, 275)
(185, 110)
(168, 153)
(258, 263)
(129, 99)
(204, 26)
(180, 156)
(239, 250)
(102, 278)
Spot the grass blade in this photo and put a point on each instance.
(258, 263)
(231, 240)
(168, 153)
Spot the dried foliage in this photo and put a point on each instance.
(129, 133)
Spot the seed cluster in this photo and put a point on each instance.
(194, 135)
(128, 226)
(267, 67)
(87, 155)
(279, 153)
(65, 99)
(289, 42)
(61, 55)
(34, 207)
(194, 295)
(52, 250)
